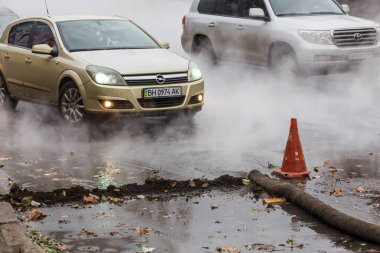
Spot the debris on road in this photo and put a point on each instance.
(361, 190)
(36, 215)
(274, 201)
(5, 158)
(336, 192)
(228, 249)
(261, 247)
(91, 199)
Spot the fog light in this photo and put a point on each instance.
(200, 97)
(107, 104)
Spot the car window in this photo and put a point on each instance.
(305, 7)
(207, 6)
(43, 35)
(245, 5)
(228, 8)
(12, 35)
(23, 33)
(91, 35)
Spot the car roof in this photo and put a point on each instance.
(62, 18)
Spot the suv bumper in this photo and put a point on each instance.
(332, 58)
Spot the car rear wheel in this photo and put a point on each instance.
(70, 104)
(6, 101)
(202, 47)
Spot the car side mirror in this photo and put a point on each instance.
(346, 8)
(45, 49)
(256, 13)
(165, 45)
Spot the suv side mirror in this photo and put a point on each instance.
(256, 13)
(165, 45)
(346, 8)
(45, 49)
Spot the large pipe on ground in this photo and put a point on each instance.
(317, 208)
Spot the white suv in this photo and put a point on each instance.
(311, 35)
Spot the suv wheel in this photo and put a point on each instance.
(5, 99)
(283, 59)
(70, 104)
(202, 46)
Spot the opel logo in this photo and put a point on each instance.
(160, 79)
(358, 36)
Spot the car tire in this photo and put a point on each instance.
(70, 104)
(202, 47)
(6, 101)
(283, 59)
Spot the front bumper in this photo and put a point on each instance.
(132, 103)
(330, 57)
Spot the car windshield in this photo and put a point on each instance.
(305, 7)
(92, 35)
(6, 20)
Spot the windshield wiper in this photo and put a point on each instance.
(107, 48)
(291, 14)
(324, 13)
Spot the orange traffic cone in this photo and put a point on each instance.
(293, 165)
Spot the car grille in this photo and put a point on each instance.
(161, 102)
(355, 37)
(156, 79)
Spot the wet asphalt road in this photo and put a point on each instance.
(244, 125)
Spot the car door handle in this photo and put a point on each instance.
(28, 61)
(211, 24)
(7, 56)
(240, 27)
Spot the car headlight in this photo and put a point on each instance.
(105, 76)
(317, 37)
(194, 73)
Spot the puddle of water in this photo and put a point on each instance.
(194, 225)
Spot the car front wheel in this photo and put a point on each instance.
(6, 101)
(70, 104)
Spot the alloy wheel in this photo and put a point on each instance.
(72, 107)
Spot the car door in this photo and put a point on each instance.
(41, 71)
(253, 33)
(14, 57)
(227, 28)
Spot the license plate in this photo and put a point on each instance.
(360, 56)
(162, 92)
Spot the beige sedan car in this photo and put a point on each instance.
(95, 65)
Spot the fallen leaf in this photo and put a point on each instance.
(336, 192)
(261, 247)
(246, 181)
(317, 169)
(192, 184)
(205, 185)
(361, 190)
(86, 233)
(36, 215)
(173, 184)
(90, 199)
(143, 231)
(147, 249)
(274, 201)
(228, 249)
(62, 247)
(26, 201)
(5, 158)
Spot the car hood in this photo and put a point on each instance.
(327, 22)
(136, 61)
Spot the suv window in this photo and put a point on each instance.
(23, 33)
(228, 8)
(43, 35)
(207, 6)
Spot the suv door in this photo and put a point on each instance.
(253, 35)
(41, 71)
(227, 26)
(14, 57)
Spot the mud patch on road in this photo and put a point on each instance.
(154, 188)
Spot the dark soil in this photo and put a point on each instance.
(154, 188)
